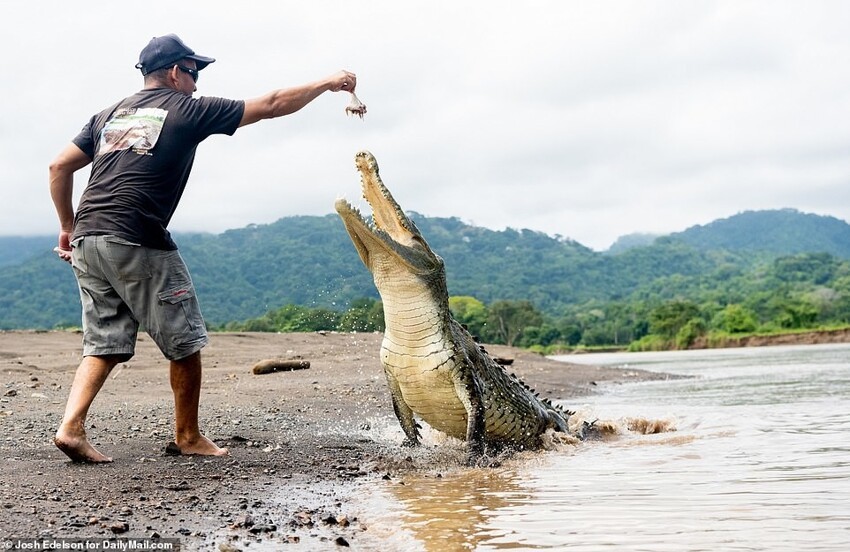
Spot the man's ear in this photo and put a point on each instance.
(173, 77)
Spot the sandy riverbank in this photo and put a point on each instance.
(301, 442)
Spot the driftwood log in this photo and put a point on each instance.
(271, 365)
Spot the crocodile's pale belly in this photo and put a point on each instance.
(426, 387)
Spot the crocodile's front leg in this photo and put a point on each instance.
(470, 394)
(403, 412)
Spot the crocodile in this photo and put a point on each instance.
(434, 367)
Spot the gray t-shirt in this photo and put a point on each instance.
(142, 150)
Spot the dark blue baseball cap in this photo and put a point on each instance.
(163, 51)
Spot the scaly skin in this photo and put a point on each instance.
(434, 367)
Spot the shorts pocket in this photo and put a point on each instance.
(180, 314)
(129, 259)
(176, 295)
(78, 258)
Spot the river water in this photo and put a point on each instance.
(759, 460)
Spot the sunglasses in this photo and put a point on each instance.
(191, 72)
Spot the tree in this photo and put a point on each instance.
(797, 314)
(364, 315)
(470, 312)
(735, 318)
(288, 318)
(543, 335)
(688, 333)
(667, 319)
(314, 320)
(508, 319)
(570, 331)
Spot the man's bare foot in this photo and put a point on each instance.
(200, 446)
(78, 448)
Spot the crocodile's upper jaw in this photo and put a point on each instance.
(390, 233)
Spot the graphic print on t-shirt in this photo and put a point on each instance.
(132, 128)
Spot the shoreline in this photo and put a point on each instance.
(301, 442)
(810, 337)
(807, 337)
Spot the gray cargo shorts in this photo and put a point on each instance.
(124, 285)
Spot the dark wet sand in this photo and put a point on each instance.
(302, 442)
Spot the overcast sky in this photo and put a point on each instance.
(588, 120)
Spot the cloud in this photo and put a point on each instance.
(586, 120)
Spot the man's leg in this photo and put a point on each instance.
(71, 435)
(186, 385)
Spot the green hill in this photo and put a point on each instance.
(778, 232)
(310, 261)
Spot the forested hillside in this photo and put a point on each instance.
(779, 232)
(309, 261)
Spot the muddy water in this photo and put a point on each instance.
(760, 460)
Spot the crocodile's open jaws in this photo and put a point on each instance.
(434, 367)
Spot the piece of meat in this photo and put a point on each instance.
(356, 107)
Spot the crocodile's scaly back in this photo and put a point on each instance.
(435, 370)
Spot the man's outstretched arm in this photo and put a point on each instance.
(289, 100)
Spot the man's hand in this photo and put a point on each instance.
(64, 254)
(343, 80)
(64, 247)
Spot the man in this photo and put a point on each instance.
(127, 266)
